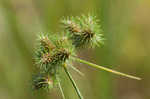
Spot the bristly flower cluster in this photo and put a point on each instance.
(56, 52)
(83, 31)
(51, 53)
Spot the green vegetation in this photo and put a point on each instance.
(123, 46)
(56, 52)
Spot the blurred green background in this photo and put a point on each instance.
(126, 26)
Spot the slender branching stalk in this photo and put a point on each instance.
(61, 90)
(104, 68)
(73, 83)
(75, 69)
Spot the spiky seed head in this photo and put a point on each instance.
(52, 52)
(70, 25)
(43, 81)
(83, 31)
(47, 43)
(46, 58)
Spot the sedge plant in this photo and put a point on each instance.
(55, 52)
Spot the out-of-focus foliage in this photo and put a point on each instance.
(125, 25)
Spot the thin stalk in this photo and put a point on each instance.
(104, 68)
(73, 83)
(75, 69)
(61, 90)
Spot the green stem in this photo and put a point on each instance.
(104, 68)
(61, 90)
(75, 69)
(73, 83)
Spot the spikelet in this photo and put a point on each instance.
(43, 81)
(83, 31)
